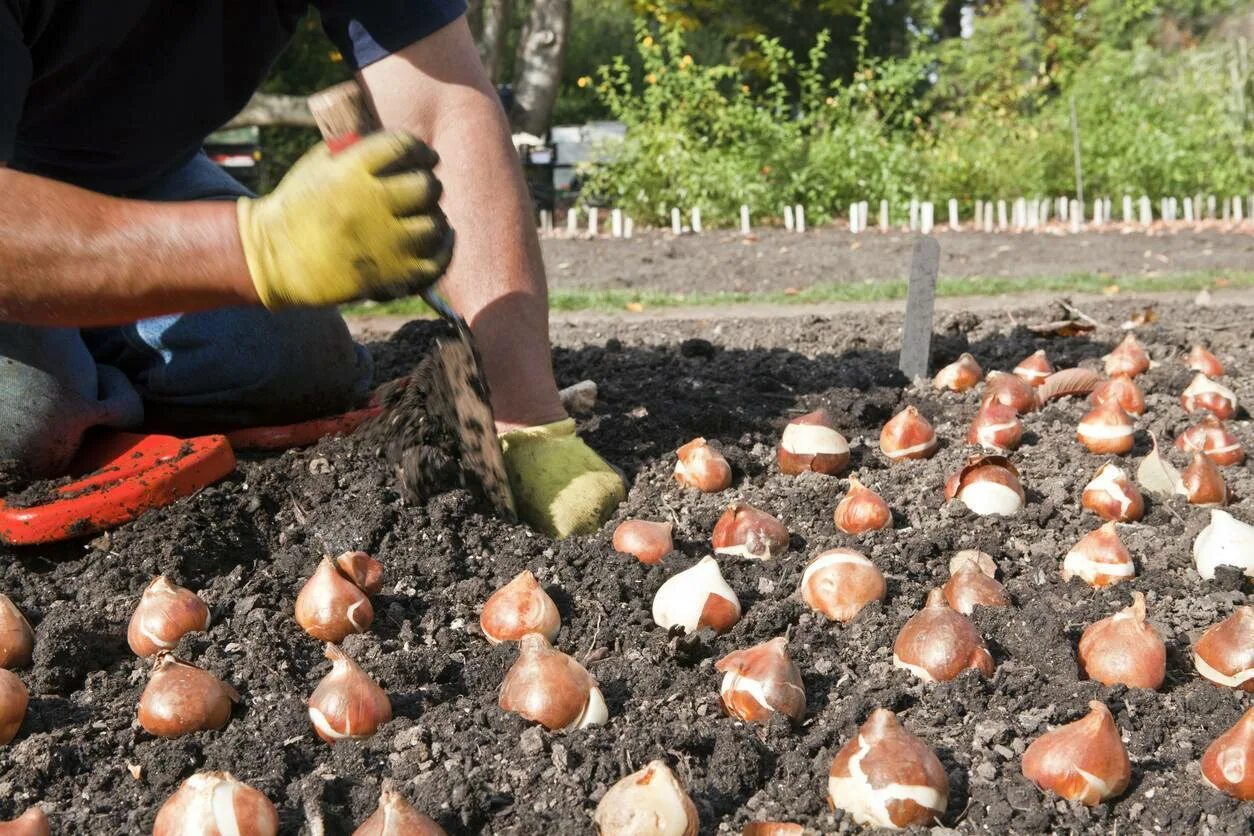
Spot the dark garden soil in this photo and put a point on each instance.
(248, 543)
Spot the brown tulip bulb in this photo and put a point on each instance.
(347, 703)
(395, 816)
(987, 485)
(861, 510)
(887, 777)
(16, 637)
(811, 442)
(1034, 368)
(1068, 383)
(1201, 360)
(648, 802)
(1205, 394)
(1113, 496)
(697, 597)
(838, 583)
(937, 643)
(31, 823)
(361, 569)
(1203, 483)
(1225, 652)
(1107, 430)
(772, 828)
(181, 698)
(1099, 558)
(1124, 391)
(972, 582)
(996, 426)
(13, 701)
(960, 375)
(1082, 761)
(646, 541)
(762, 681)
(165, 613)
(518, 608)
(1128, 358)
(1211, 437)
(745, 531)
(1124, 649)
(548, 687)
(1011, 390)
(1228, 764)
(908, 435)
(702, 467)
(330, 606)
(216, 804)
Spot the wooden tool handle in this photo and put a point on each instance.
(343, 111)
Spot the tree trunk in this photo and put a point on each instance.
(497, 17)
(538, 65)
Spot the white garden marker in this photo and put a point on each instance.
(1188, 210)
(1210, 207)
(954, 223)
(1147, 211)
(546, 221)
(988, 216)
(864, 212)
(789, 223)
(855, 219)
(572, 222)
(1238, 210)
(629, 226)
(1034, 215)
(883, 216)
(1107, 207)
(1098, 211)
(1045, 209)
(744, 220)
(696, 219)
(927, 217)
(1127, 209)
(616, 223)
(1062, 208)
(1002, 220)
(914, 215)
(1021, 213)
(677, 226)
(1076, 211)
(799, 214)
(978, 219)
(593, 222)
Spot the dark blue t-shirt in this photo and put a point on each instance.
(110, 94)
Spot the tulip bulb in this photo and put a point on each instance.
(772, 828)
(181, 698)
(1124, 391)
(1124, 649)
(1201, 360)
(1107, 429)
(1099, 558)
(1203, 483)
(1225, 542)
(31, 823)
(165, 613)
(216, 804)
(330, 606)
(811, 442)
(361, 569)
(960, 375)
(861, 510)
(987, 485)
(1225, 652)
(1035, 368)
(347, 703)
(1228, 764)
(548, 687)
(646, 541)
(1113, 496)
(395, 816)
(16, 637)
(838, 583)
(887, 777)
(762, 681)
(972, 582)
(702, 467)
(996, 426)
(1205, 394)
(13, 701)
(937, 643)
(745, 531)
(908, 435)
(518, 608)
(697, 597)
(649, 802)
(1128, 358)
(1082, 761)
(1011, 390)
(1211, 437)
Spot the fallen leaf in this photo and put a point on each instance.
(1062, 328)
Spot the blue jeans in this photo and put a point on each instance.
(218, 369)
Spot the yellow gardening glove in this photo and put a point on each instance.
(364, 222)
(561, 486)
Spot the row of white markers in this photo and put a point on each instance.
(990, 216)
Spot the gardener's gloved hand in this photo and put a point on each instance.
(364, 222)
(561, 486)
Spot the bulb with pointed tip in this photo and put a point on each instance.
(1011, 390)
(1205, 394)
(16, 637)
(165, 613)
(347, 704)
(972, 582)
(1082, 761)
(31, 823)
(1225, 652)
(960, 375)
(702, 467)
(330, 606)
(1211, 437)
(697, 597)
(1035, 368)
(518, 608)
(361, 569)
(644, 540)
(1113, 496)
(1225, 542)
(1200, 359)
(908, 435)
(1128, 358)
(762, 681)
(648, 802)
(1124, 649)
(987, 485)
(937, 643)
(548, 687)
(1123, 390)
(1228, 764)
(216, 804)
(811, 442)
(13, 700)
(1107, 430)
(861, 510)
(181, 698)
(839, 583)
(1203, 483)
(395, 816)
(1099, 558)
(745, 531)
(996, 426)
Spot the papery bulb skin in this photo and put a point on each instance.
(839, 583)
(330, 606)
(761, 681)
(17, 640)
(395, 816)
(165, 613)
(959, 376)
(996, 426)
(1082, 761)
(33, 822)
(745, 531)
(772, 828)
(1200, 359)
(1128, 358)
(1225, 542)
(1034, 369)
(362, 569)
(1068, 383)
(347, 704)
(1204, 394)
(1099, 559)
(1203, 483)
(649, 802)
(548, 687)
(181, 698)
(908, 435)
(1111, 495)
(861, 510)
(697, 597)
(987, 485)
(937, 643)
(1228, 764)
(644, 540)
(887, 777)
(1225, 652)
(1122, 390)
(1124, 649)
(811, 443)
(13, 701)
(518, 608)
(1212, 437)
(216, 804)
(1107, 430)
(972, 583)
(702, 467)
(1011, 390)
